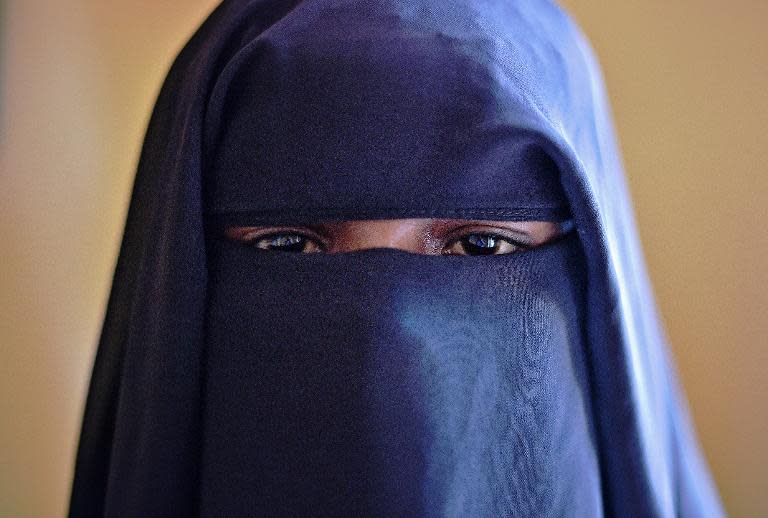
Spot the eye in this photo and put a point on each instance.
(483, 243)
(286, 242)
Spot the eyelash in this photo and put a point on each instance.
(445, 244)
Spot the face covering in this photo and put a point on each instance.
(232, 381)
(386, 383)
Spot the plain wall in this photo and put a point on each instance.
(687, 80)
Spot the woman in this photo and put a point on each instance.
(301, 322)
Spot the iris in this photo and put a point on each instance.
(480, 244)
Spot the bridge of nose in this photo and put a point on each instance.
(406, 234)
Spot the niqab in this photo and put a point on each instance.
(232, 381)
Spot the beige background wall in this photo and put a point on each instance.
(687, 79)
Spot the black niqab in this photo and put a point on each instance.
(233, 381)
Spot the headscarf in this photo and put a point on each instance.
(234, 381)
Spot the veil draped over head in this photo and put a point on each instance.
(239, 382)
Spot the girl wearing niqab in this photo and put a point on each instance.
(268, 350)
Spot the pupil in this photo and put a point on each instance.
(481, 244)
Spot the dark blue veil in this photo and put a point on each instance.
(291, 111)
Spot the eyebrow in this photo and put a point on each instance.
(459, 224)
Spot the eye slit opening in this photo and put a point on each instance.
(478, 238)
